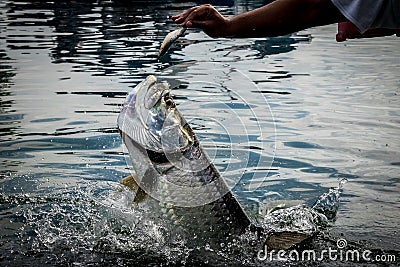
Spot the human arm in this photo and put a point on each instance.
(277, 18)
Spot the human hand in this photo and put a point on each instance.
(347, 30)
(205, 17)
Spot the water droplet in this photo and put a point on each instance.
(342, 182)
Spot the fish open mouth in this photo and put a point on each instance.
(150, 119)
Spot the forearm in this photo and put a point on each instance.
(283, 17)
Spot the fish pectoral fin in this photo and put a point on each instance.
(140, 196)
(131, 182)
(285, 240)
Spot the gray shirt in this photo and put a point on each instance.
(367, 14)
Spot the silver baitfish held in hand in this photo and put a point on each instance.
(175, 175)
(169, 40)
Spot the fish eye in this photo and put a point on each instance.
(169, 102)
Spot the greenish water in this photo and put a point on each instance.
(290, 115)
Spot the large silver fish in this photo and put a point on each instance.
(171, 166)
(186, 189)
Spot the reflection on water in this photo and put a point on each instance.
(65, 68)
(8, 121)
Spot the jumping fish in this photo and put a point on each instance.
(169, 40)
(171, 167)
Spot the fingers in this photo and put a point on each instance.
(180, 18)
(200, 13)
(205, 17)
(197, 13)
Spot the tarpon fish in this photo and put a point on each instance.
(171, 167)
(169, 40)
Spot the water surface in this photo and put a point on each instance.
(290, 115)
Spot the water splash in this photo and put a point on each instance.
(97, 223)
(97, 220)
(303, 219)
(328, 203)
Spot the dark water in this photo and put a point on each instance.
(291, 116)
